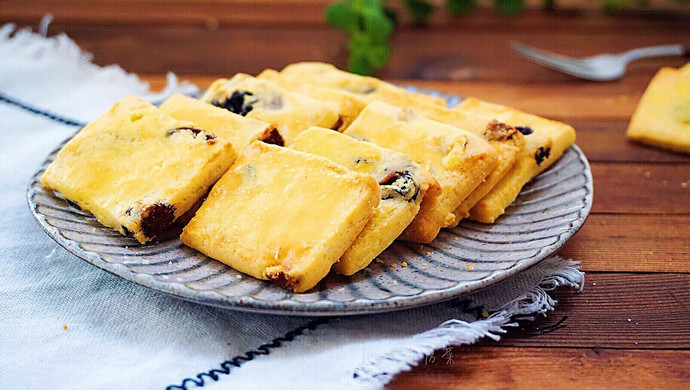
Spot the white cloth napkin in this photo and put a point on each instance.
(65, 324)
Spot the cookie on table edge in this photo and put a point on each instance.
(662, 117)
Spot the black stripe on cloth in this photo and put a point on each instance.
(238, 360)
(34, 110)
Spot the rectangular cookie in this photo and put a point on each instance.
(458, 159)
(283, 215)
(138, 170)
(367, 88)
(404, 184)
(662, 118)
(240, 131)
(347, 104)
(545, 142)
(265, 100)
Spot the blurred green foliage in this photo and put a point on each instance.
(369, 23)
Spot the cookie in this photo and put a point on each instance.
(265, 100)
(545, 142)
(662, 117)
(404, 184)
(283, 215)
(239, 130)
(346, 104)
(366, 88)
(508, 142)
(458, 160)
(138, 170)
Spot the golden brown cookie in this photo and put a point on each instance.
(283, 215)
(138, 170)
(662, 117)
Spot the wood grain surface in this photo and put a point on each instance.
(630, 326)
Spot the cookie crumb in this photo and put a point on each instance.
(485, 314)
(394, 266)
(64, 326)
(469, 267)
(239, 277)
(404, 264)
(424, 265)
(684, 184)
(648, 175)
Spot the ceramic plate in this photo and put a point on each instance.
(548, 211)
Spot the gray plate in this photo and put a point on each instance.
(548, 211)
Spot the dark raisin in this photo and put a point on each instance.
(337, 124)
(272, 136)
(73, 204)
(156, 218)
(128, 232)
(237, 103)
(525, 130)
(542, 154)
(399, 184)
(210, 138)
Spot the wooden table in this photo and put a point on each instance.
(630, 327)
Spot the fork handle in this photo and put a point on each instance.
(657, 51)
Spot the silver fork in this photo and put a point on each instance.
(602, 67)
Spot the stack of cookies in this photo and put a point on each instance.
(290, 174)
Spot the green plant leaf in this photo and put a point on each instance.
(359, 64)
(342, 16)
(377, 54)
(419, 10)
(460, 7)
(376, 25)
(509, 7)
